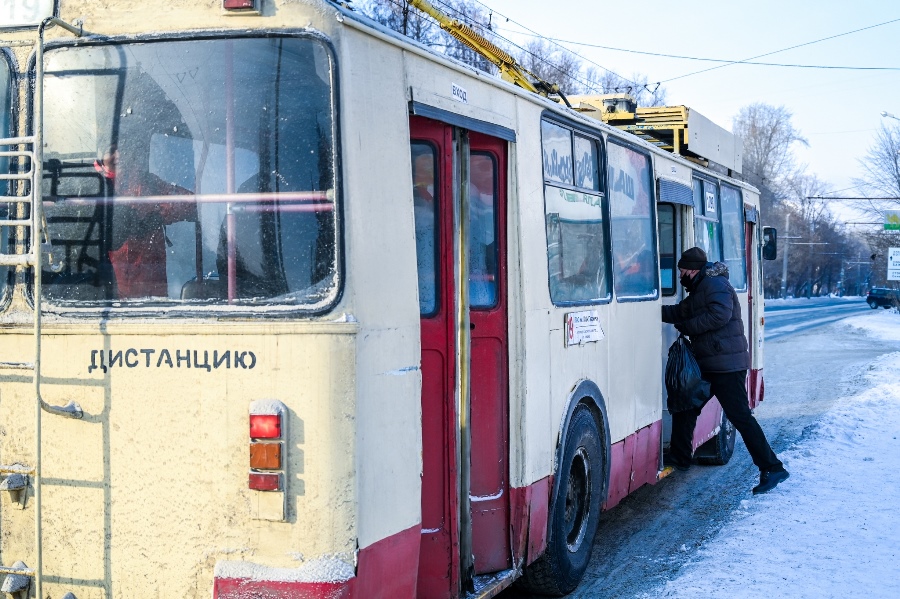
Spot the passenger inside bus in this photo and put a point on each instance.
(139, 242)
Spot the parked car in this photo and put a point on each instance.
(884, 297)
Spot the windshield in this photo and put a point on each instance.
(191, 173)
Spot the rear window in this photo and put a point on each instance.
(192, 173)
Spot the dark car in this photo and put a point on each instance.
(884, 297)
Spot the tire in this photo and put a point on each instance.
(718, 450)
(574, 511)
(873, 304)
(886, 306)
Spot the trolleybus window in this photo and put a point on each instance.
(706, 219)
(733, 236)
(191, 172)
(665, 214)
(631, 216)
(575, 218)
(425, 204)
(483, 261)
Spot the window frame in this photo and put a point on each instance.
(742, 220)
(495, 192)
(437, 230)
(707, 180)
(579, 129)
(664, 291)
(654, 223)
(222, 311)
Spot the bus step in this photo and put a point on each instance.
(490, 585)
(16, 365)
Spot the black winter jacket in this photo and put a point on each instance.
(711, 316)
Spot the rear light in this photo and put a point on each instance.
(242, 7)
(265, 426)
(265, 456)
(268, 429)
(265, 482)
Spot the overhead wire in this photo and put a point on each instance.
(721, 60)
(830, 37)
(555, 43)
(468, 19)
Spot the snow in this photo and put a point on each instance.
(325, 569)
(833, 528)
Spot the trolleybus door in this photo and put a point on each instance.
(459, 177)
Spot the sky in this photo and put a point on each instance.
(833, 528)
(837, 111)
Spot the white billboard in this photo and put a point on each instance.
(24, 13)
(893, 264)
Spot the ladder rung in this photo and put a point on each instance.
(15, 199)
(16, 223)
(16, 365)
(20, 571)
(16, 141)
(16, 259)
(16, 177)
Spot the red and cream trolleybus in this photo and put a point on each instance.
(295, 307)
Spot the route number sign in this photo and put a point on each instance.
(24, 13)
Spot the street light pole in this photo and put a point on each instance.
(888, 115)
(784, 256)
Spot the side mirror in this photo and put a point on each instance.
(770, 243)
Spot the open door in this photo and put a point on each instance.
(460, 211)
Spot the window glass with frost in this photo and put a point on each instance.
(192, 173)
(631, 198)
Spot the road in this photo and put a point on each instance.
(811, 361)
(790, 316)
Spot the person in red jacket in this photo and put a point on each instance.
(138, 254)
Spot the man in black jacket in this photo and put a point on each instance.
(711, 316)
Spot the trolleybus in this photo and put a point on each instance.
(293, 306)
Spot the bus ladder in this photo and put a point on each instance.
(25, 220)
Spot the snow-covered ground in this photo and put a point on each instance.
(833, 528)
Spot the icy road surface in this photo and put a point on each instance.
(832, 413)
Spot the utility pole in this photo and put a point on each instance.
(784, 255)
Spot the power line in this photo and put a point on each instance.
(852, 198)
(746, 61)
(782, 50)
(554, 42)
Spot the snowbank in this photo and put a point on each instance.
(833, 528)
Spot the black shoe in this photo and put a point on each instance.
(768, 480)
(676, 464)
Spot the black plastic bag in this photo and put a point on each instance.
(685, 386)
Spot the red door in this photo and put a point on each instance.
(433, 152)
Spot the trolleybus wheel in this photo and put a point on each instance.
(574, 511)
(718, 450)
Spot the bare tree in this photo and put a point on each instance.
(881, 171)
(399, 16)
(639, 86)
(769, 137)
(553, 64)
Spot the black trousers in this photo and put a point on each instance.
(729, 389)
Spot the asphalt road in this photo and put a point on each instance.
(791, 316)
(811, 361)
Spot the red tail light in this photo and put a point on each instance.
(265, 426)
(265, 482)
